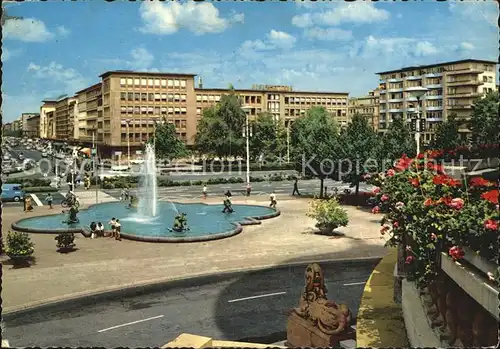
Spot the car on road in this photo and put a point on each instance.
(12, 192)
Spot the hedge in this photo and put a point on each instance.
(42, 189)
(30, 182)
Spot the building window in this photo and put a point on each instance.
(177, 110)
(198, 98)
(130, 110)
(144, 97)
(144, 82)
(183, 83)
(137, 110)
(170, 110)
(176, 83)
(163, 110)
(144, 110)
(157, 110)
(205, 98)
(123, 96)
(183, 98)
(137, 82)
(164, 97)
(123, 82)
(163, 83)
(157, 82)
(198, 111)
(150, 110)
(130, 96)
(150, 82)
(170, 97)
(183, 110)
(123, 110)
(183, 123)
(170, 83)
(137, 96)
(151, 97)
(130, 82)
(157, 96)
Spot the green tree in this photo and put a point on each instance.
(167, 144)
(315, 144)
(358, 146)
(447, 136)
(220, 130)
(396, 141)
(268, 137)
(484, 124)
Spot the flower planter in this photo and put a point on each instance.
(19, 259)
(328, 229)
(475, 285)
(66, 249)
(479, 262)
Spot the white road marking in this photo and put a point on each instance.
(355, 283)
(131, 323)
(254, 297)
(36, 200)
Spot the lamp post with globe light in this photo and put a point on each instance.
(418, 92)
(247, 134)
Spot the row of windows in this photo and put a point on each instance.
(150, 123)
(142, 137)
(140, 96)
(315, 100)
(142, 82)
(207, 98)
(152, 110)
(299, 112)
(362, 110)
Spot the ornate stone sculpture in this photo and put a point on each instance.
(331, 318)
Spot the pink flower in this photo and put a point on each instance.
(376, 209)
(384, 229)
(395, 224)
(457, 203)
(400, 205)
(491, 224)
(409, 259)
(456, 252)
(390, 172)
(367, 176)
(384, 197)
(376, 190)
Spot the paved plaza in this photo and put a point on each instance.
(105, 264)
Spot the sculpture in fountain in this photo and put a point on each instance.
(148, 189)
(180, 223)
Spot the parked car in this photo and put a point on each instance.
(12, 192)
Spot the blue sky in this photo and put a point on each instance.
(61, 47)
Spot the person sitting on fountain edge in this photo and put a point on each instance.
(228, 207)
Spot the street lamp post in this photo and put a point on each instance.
(246, 109)
(128, 142)
(288, 142)
(418, 92)
(94, 169)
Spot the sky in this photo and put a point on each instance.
(62, 47)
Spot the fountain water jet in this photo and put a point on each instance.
(148, 188)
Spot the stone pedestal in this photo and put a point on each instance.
(302, 333)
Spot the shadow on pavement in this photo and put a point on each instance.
(263, 319)
(28, 262)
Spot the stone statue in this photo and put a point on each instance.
(180, 223)
(331, 318)
(73, 210)
(228, 206)
(134, 202)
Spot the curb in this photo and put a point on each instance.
(135, 289)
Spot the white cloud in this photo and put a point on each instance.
(328, 34)
(7, 54)
(200, 18)
(274, 40)
(467, 46)
(27, 30)
(359, 12)
(140, 59)
(425, 48)
(63, 31)
(377, 47)
(481, 11)
(57, 74)
(281, 39)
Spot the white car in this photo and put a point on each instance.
(137, 161)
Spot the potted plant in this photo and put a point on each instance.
(65, 242)
(328, 214)
(20, 248)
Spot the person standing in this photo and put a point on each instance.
(272, 199)
(249, 189)
(49, 200)
(118, 228)
(93, 230)
(295, 187)
(27, 204)
(112, 223)
(100, 229)
(205, 191)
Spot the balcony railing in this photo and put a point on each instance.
(395, 80)
(434, 97)
(465, 71)
(434, 86)
(435, 119)
(399, 89)
(396, 110)
(395, 100)
(419, 77)
(433, 75)
(464, 82)
(465, 95)
(460, 106)
(433, 108)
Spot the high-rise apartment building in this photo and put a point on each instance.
(46, 107)
(367, 106)
(31, 125)
(452, 88)
(90, 123)
(65, 119)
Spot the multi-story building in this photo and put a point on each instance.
(367, 106)
(47, 106)
(90, 126)
(31, 124)
(51, 124)
(65, 115)
(281, 101)
(452, 88)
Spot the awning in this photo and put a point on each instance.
(86, 151)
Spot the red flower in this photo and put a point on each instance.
(454, 182)
(437, 168)
(384, 229)
(491, 196)
(414, 181)
(376, 190)
(491, 224)
(445, 200)
(480, 182)
(376, 209)
(409, 259)
(395, 224)
(384, 197)
(390, 172)
(428, 202)
(403, 163)
(456, 253)
(457, 203)
(420, 156)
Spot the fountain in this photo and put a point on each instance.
(148, 190)
(146, 219)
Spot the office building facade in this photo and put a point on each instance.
(452, 88)
(367, 106)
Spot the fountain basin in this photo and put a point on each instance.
(206, 222)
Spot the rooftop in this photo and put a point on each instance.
(89, 88)
(437, 65)
(130, 72)
(273, 91)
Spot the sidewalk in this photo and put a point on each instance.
(103, 264)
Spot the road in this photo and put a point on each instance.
(250, 306)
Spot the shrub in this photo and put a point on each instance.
(65, 240)
(257, 179)
(40, 189)
(328, 213)
(196, 182)
(19, 245)
(185, 183)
